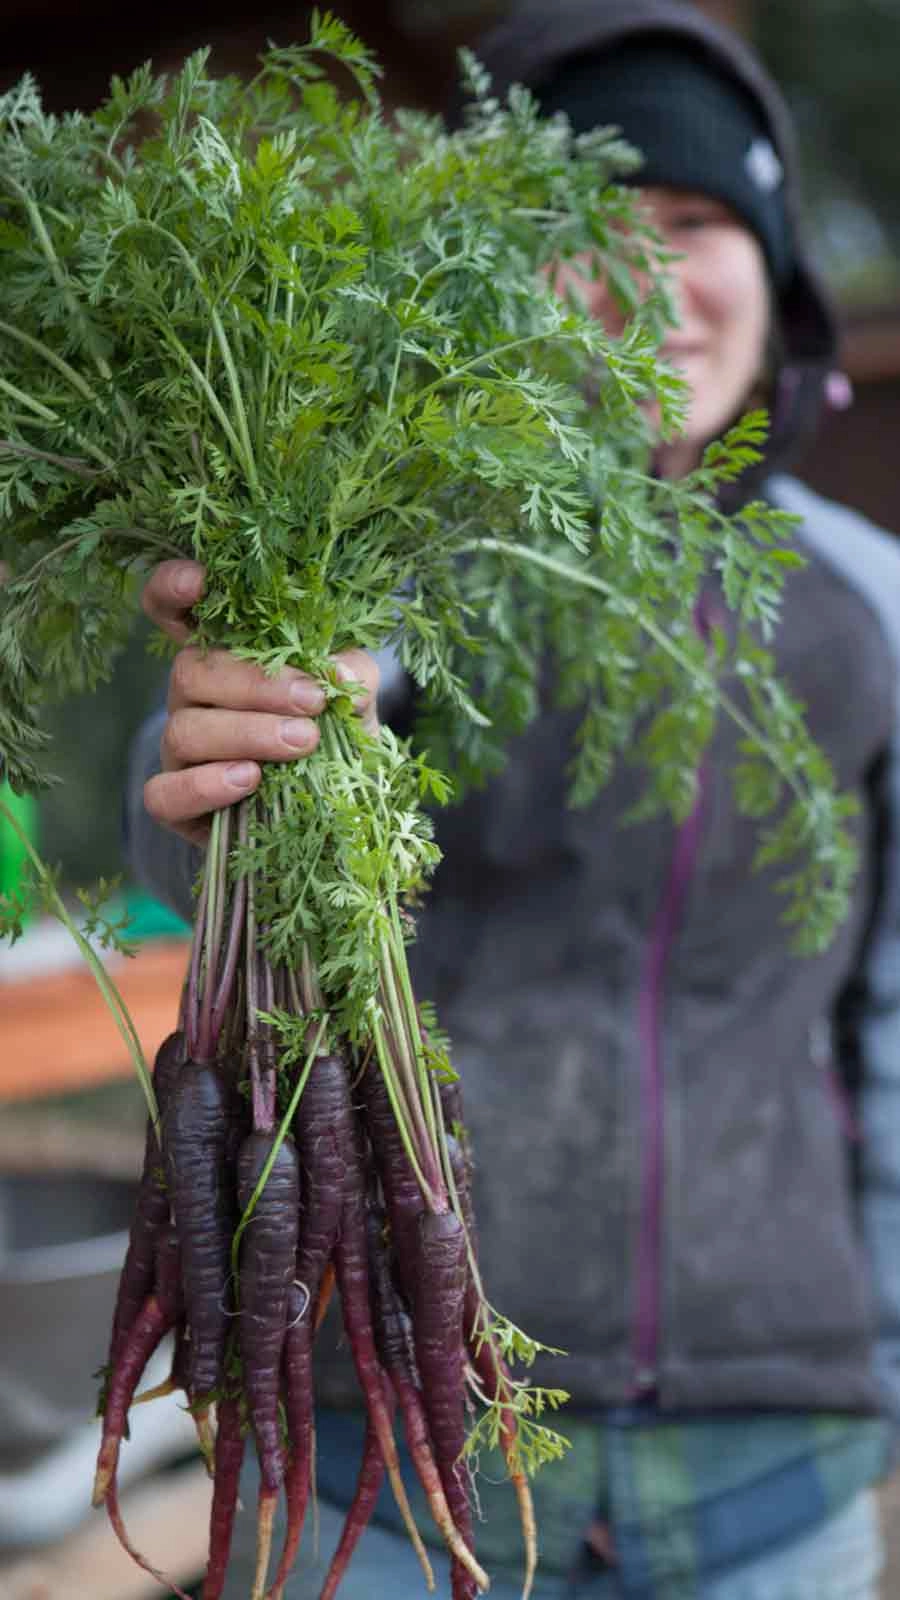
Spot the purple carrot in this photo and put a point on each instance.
(230, 1439)
(365, 1498)
(440, 1278)
(394, 1341)
(117, 1524)
(268, 1250)
(352, 1270)
(194, 1145)
(402, 1194)
(298, 1408)
(325, 1129)
(151, 1210)
(157, 1317)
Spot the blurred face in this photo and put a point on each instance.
(721, 291)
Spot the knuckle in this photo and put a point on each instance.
(176, 738)
(194, 798)
(181, 678)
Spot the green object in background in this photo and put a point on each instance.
(149, 919)
(12, 850)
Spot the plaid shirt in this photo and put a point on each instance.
(683, 1496)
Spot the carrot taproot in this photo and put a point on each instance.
(394, 1341)
(359, 1515)
(268, 1251)
(487, 1362)
(298, 1407)
(351, 1267)
(402, 1194)
(440, 1289)
(230, 1444)
(194, 1145)
(151, 1211)
(324, 1128)
(117, 1523)
(157, 1317)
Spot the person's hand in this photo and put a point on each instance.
(226, 716)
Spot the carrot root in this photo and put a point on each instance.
(206, 1439)
(419, 1445)
(118, 1526)
(297, 1370)
(158, 1392)
(153, 1322)
(368, 1488)
(229, 1457)
(352, 1275)
(265, 1517)
(492, 1370)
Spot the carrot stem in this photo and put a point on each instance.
(386, 1065)
(277, 1143)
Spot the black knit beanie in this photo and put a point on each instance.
(695, 126)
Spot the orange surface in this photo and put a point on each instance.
(56, 1033)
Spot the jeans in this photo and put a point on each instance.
(840, 1560)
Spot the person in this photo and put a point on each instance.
(688, 1139)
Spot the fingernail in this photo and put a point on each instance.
(297, 731)
(343, 673)
(307, 696)
(241, 774)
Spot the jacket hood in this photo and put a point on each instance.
(535, 39)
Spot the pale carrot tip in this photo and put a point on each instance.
(405, 1510)
(207, 1440)
(158, 1392)
(265, 1518)
(106, 1471)
(118, 1526)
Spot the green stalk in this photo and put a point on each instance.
(13, 447)
(421, 1127)
(105, 983)
(262, 393)
(140, 534)
(46, 415)
(62, 367)
(245, 448)
(387, 1068)
(62, 282)
(217, 857)
(209, 394)
(401, 969)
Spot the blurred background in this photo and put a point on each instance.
(65, 1083)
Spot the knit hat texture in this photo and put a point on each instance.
(695, 127)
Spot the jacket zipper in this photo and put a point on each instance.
(645, 1333)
